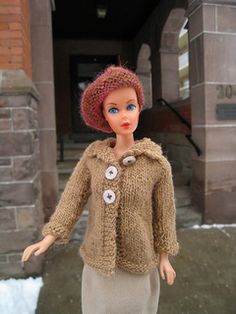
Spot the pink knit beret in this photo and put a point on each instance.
(112, 78)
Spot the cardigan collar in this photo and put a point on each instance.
(104, 149)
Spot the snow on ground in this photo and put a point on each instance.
(219, 226)
(19, 296)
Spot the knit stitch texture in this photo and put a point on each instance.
(131, 231)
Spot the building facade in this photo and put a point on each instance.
(183, 53)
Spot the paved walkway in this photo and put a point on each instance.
(205, 283)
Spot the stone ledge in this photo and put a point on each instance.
(194, 4)
(16, 82)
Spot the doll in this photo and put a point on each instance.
(131, 227)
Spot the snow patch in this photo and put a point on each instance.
(219, 226)
(19, 295)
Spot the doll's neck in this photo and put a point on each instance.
(123, 143)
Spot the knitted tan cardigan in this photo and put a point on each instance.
(130, 231)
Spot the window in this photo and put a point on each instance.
(183, 62)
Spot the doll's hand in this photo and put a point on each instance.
(166, 270)
(37, 248)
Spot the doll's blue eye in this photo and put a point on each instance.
(131, 107)
(113, 110)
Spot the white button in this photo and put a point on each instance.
(109, 196)
(129, 160)
(111, 172)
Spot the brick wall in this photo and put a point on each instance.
(15, 49)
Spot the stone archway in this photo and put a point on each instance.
(169, 54)
(143, 71)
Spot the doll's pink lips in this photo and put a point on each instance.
(126, 124)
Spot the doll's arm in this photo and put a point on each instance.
(38, 248)
(164, 222)
(167, 272)
(164, 215)
(71, 204)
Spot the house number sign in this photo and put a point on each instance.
(226, 111)
(225, 91)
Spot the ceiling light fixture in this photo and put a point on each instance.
(101, 11)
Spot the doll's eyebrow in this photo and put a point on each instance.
(112, 103)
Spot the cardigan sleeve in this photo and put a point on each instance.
(164, 215)
(71, 204)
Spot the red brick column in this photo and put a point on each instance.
(15, 49)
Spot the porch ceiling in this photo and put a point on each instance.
(78, 18)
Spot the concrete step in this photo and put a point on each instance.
(73, 145)
(65, 169)
(180, 179)
(186, 213)
(72, 151)
(187, 216)
(67, 164)
(182, 195)
(70, 155)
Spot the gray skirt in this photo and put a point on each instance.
(124, 292)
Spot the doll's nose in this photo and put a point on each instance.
(123, 114)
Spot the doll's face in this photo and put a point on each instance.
(121, 110)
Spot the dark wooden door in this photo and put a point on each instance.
(83, 69)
